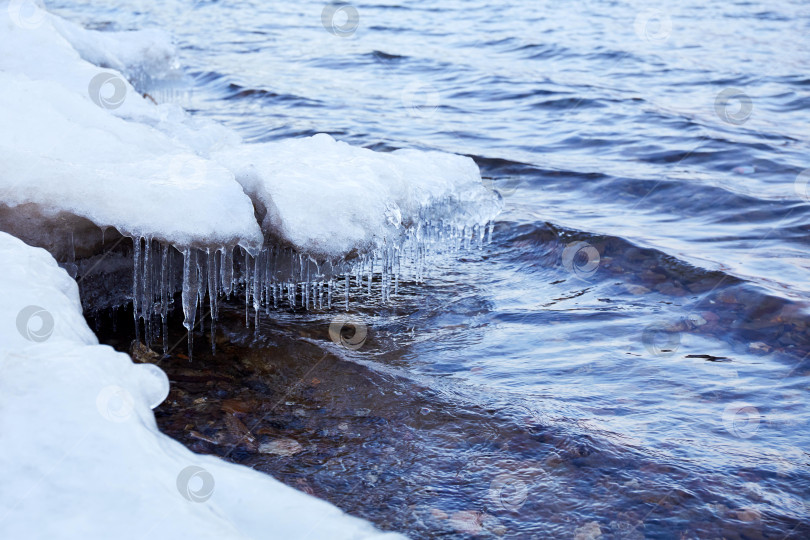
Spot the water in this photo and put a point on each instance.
(628, 353)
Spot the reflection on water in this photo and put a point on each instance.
(626, 358)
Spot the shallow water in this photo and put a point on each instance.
(628, 352)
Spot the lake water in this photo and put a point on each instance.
(626, 357)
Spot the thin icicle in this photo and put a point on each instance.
(257, 282)
(370, 272)
(146, 299)
(347, 290)
(189, 294)
(305, 288)
(202, 287)
(246, 273)
(164, 296)
(227, 270)
(172, 282)
(136, 282)
(212, 296)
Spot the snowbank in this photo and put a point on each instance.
(82, 456)
(86, 143)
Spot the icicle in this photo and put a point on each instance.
(227, 270)
(212, 296)
(213, 285)
(164, 296)
(146, 300)
(189, 294)
(267, 280)
(274, 274)
(305, 288)
(257, 282)
(202, 287)
(347, 290)
(247, 288)
(398, 269)
(136, 281)
(171, 273)
(384, 275)
(370, 272)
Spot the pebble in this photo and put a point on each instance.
(636, 290)
(589, 531)
(759, 346)
(281, 447)
(696, 320)
(467, 521)
(142, 354)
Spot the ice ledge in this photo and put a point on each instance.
(83, 455)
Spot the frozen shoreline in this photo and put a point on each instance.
(87, 152)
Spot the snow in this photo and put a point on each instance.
(68, 155)
(82, 455)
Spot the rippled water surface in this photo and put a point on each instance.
(625, 358)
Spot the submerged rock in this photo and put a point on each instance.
(281, 447)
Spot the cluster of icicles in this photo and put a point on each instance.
(276, 277)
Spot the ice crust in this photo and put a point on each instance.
(82, 455)
(329, 202)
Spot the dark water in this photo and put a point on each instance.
(628, 355)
